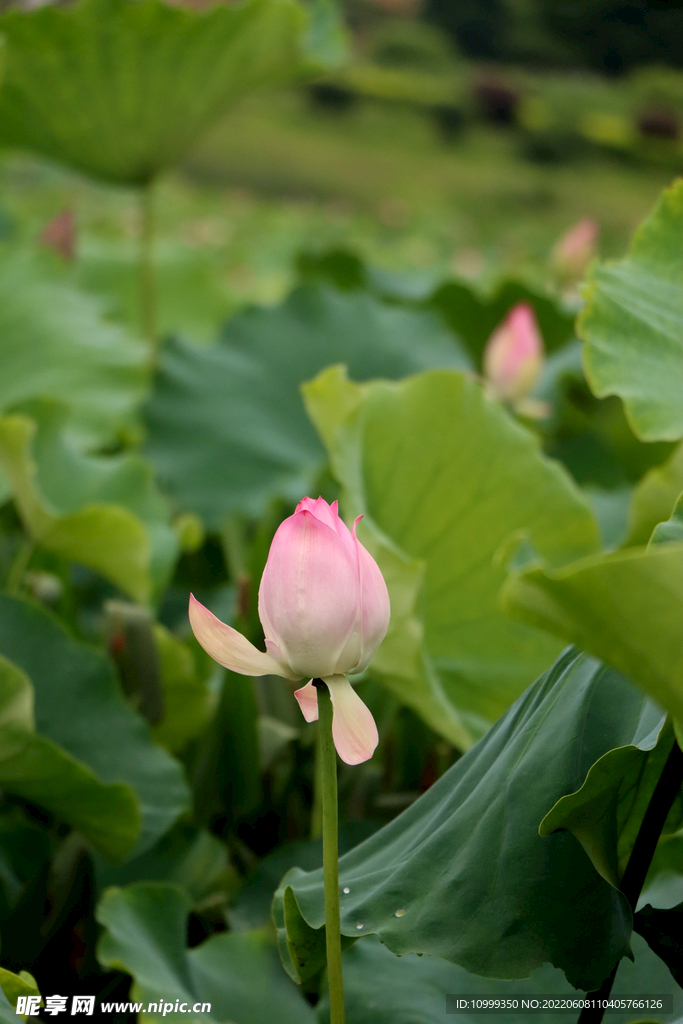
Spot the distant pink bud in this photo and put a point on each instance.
(59, 234)
(324, 607)
(513, 356)
(576, 249)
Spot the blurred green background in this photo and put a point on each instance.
(459, 139)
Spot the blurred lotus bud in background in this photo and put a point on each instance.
(59, 234)
(574, 252)
(513, 356)
(129, 631)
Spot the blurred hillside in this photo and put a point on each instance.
(427, 153)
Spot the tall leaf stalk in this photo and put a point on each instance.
(328, 776)
(147, 277)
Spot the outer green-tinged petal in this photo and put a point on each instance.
(228, 647)
(353, 727)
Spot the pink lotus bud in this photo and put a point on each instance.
(513, 356)
(576, 249)
(60, 234)
(324, 607)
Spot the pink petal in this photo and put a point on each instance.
(375, 606)
(577, 247)
(228, 647)
(320, 509)
(308, 701)
(353, 727)
(309, 595)
(329, 515)
(514, 354)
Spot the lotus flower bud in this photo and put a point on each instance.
(60, 235)
(324, 607)
(576, 249)
(513, 356)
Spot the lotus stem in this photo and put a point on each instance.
(19, 566)
(317, 800)
(147, 277)
(328, 775)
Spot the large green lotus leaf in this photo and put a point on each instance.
(227, 428)
(380, 988)
(102, 511)
(625, 607)
(605, 815)
(38, 770)
(654, 498)
(250, 908)
(465, 866)
(632, 324)
(55, 343)
(444, 477)
(592, 436)
(120, 90)
(79, 705)
(187, 856)
(237, 973)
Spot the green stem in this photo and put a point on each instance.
(148, 292)
(19, 566)
(667, 789)
(317, 802)
(328, 773)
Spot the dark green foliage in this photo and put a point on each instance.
(663, 932)
(437, 859)
(480, 28)
(615, 35)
